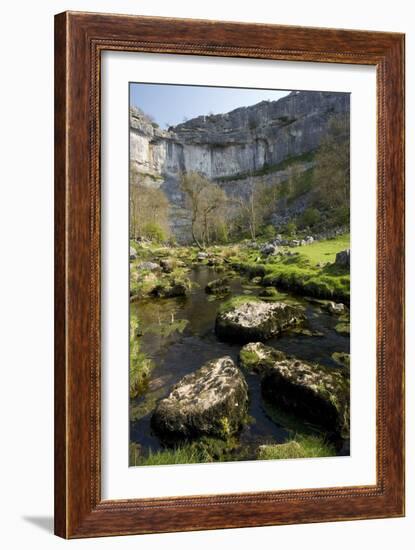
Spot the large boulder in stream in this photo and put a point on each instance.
(210, 401)
(311, 391)
(244, 319)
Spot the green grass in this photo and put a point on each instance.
(309, 281)
(182, 455)
(301, 446)
(324, 251)
(205, 449)
(301, 274)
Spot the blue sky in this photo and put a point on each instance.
(170, 104)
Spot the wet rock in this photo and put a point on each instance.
(148, 266)
(335, 309)
(172, 289)
(308, 390)
(133, 253)
(255, 320)
(210, 401)
(255, 357)
(218, 286)
(167, 265)
(343, 258)
(202, 256)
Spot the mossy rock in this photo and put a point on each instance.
(341, 358)
(343, 328)
(255, 357)
(243, 319)
(211, 401)
(311, 391)
(172, 285)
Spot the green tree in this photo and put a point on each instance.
(309, 217)
(332, 170)
(256, 204)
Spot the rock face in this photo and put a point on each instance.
(210, 401)
(311, 391)
(229, 147)
(255, 320)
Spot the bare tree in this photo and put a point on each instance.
(255, 204)
(204, 199)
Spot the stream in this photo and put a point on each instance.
(178, 335)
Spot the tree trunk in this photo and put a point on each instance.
(195, 239)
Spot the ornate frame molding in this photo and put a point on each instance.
(79, 40)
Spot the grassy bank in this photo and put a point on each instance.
(307, 270)
(299, 447)
(205, 449)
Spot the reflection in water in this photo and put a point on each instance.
(178, 335)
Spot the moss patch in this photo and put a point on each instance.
(140, 365)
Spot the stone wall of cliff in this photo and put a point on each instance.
(228, 147)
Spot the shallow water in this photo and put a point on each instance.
(178, 335)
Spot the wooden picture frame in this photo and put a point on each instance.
(79, 40)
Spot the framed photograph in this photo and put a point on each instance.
(229, 275)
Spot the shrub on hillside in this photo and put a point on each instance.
(310, 216)
(154, 232)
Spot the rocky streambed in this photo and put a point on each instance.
(239, 365)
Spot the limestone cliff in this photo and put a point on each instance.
(227, 147)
